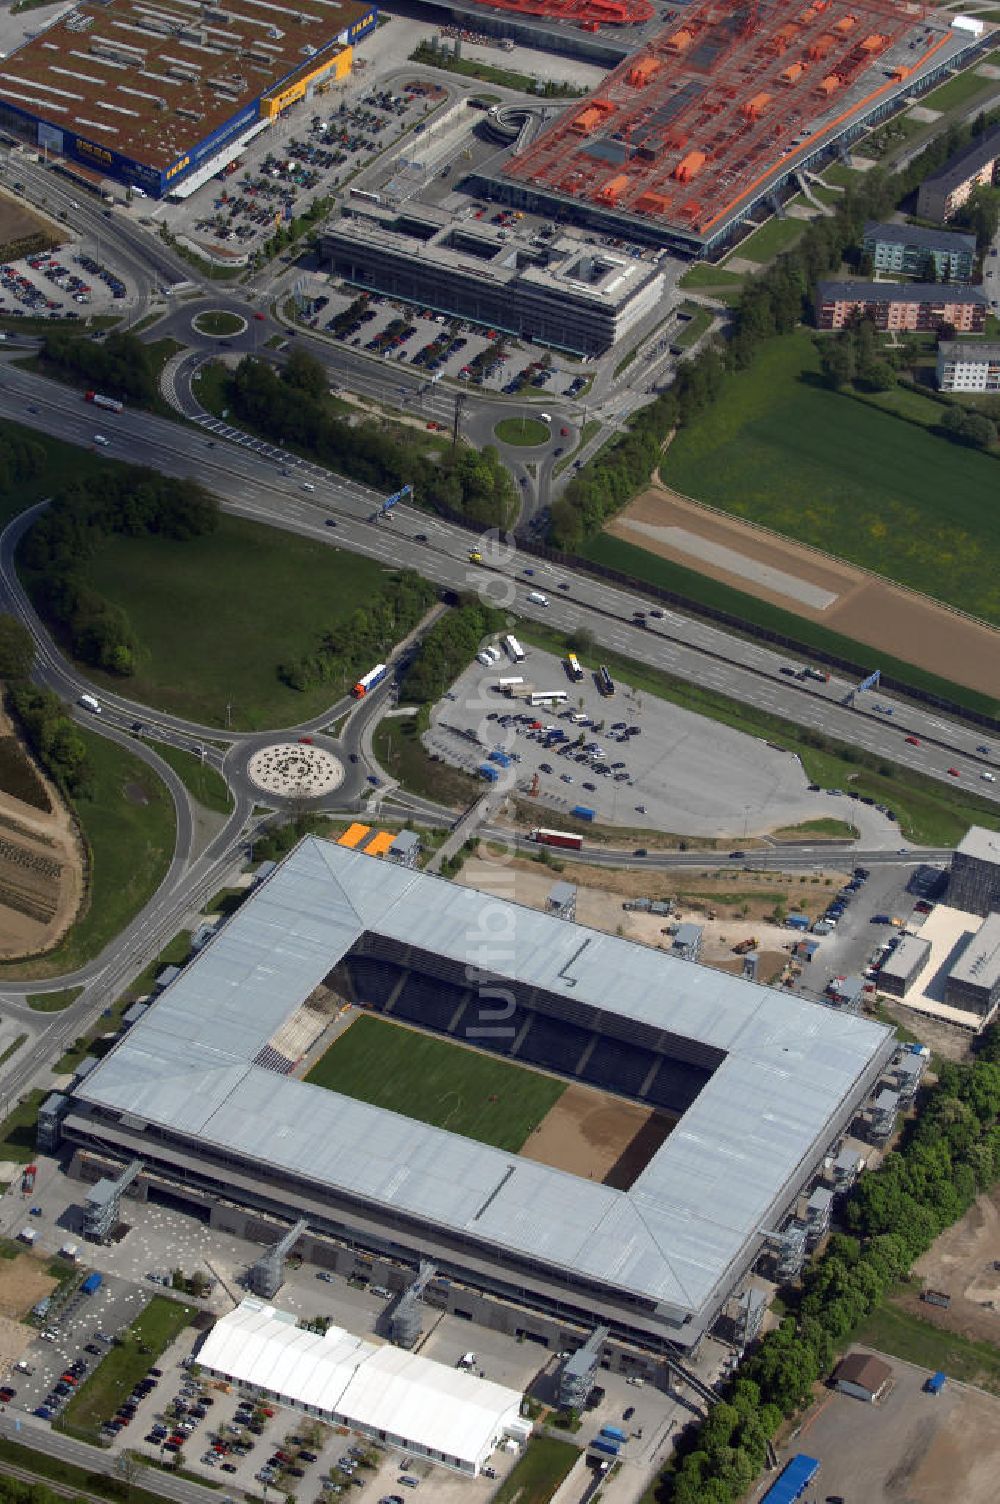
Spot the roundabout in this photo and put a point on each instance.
(295, 770)
(219, 323)
(522, 433)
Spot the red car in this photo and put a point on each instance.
(954, 773)
(260, 316)
(914, 741)
(564, 433)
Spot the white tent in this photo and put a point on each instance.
(444, 1414)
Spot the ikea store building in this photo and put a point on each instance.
(158, 96)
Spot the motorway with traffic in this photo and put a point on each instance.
(257, 481)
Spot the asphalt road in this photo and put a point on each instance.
(253, 486)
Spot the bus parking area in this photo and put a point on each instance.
(635, 760)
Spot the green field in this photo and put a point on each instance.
(435, 1081)
(538, 1474)
(215, 616)
(200, 779)
(893, 1330)
(779, 448)
(521, 432)
(53, 1002)
(958, 91)
(773, 237)
(218, 321)
(692, 331)
(17, 1131)
(129, 824)
(97, 1399)
(701, 275)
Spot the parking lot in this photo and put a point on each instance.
(635, 760)
(440, 346)
(68, 283)
(910, 1448)
(303, 158)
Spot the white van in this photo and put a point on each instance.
(537, 598)
(545, 417)
(100, 439)
(89, 703)
(307, 485)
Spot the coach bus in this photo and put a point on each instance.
(573, 667)
(507, 685)
(565, 838)
(368, 681)
(514, 649)
(604, 681)
(548, 697)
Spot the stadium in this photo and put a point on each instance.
(159, 96)
(737, 1094)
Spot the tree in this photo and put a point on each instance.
(17, 649)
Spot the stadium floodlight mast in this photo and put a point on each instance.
(491, 942)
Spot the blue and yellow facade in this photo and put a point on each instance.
(328, 62)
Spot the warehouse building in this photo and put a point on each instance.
(949, 188)
(974, 885)
(967, 366)
(916, 252)
(902, 306)
(567, 294)
(761, 1086)
(445, 1415)
(974, 981)
(900, 970)
(158, 97)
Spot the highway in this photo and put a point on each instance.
(252, 485)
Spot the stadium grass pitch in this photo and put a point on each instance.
(437, 1081)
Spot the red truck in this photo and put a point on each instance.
(110, 404)
(28, 1179)
(562, 838)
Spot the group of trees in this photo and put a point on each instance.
(292, 407)
(854, 358)
(343, 653)
(21, 458)
(119, 366)
(771, 303)
(51, 734)
(448, 646)
(950, 1152)
(132, 502)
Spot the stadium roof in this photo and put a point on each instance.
(378, 1388)
(787, 1068)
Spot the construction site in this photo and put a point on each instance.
(723, 110)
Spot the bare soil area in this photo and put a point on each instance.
(870, 610)
(962, 1459)
(17, 221)
(598, 1136)
(23, 1281)
(41, 870)
(961, 1263)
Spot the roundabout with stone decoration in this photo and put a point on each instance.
(293, 770)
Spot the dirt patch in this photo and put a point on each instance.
(18, 222)
(961, 1263)
(598, 1136)
(868, 609)
(41, 869)
(136, 794)
(23, 1281)
(961, 1461)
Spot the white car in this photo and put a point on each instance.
(988, 777)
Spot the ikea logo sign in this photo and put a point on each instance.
(178, 167)
(364, 24)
